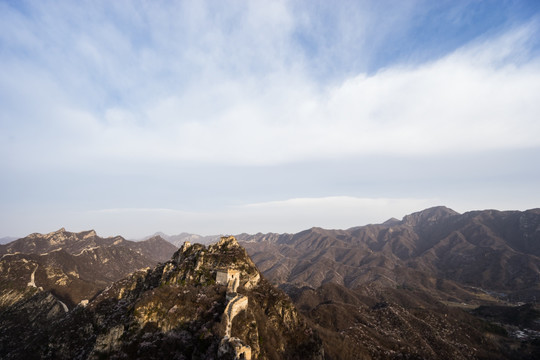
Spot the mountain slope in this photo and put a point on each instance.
(155, 248)
(404, 324)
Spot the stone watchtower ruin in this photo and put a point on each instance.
(228, 277)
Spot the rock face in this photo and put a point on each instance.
(176, 311)
(25, 324)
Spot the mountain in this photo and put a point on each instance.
(179, 239)
(406, 288)
(155, 247)
(204, 303)
(72, 266)
(68, 241)
(454, 257)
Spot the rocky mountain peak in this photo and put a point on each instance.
(58, 234)
(227, 242)
(428, 216)
(392, 221)
(185, 246)
(199, 263)
(89, 234)
(155, 238)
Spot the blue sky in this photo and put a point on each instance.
(131, 117)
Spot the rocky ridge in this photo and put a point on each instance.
(155, 247)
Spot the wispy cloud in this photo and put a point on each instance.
(241, 94)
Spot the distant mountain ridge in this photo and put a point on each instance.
(179, 239)
(7, 239)
(74, 266)
(73, 243)
(435, 248)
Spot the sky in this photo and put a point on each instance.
(223, 117)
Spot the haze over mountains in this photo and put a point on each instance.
(435, 285)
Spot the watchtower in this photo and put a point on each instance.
(228, 277)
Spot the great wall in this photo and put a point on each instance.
(235, 304)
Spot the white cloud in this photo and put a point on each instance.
(453, 104)
(456, 104)
(229, 87)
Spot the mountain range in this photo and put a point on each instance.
(179, 239)
(435, 285)
(455, 257)
(409, 287)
